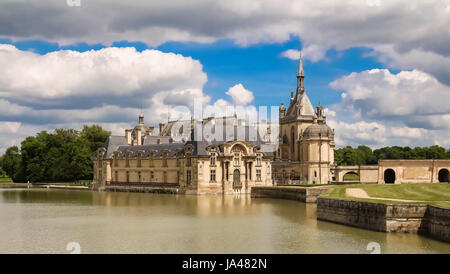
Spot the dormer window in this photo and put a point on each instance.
(213, 159)
(236, 159)
(258, 160)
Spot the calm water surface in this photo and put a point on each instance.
(46, 220)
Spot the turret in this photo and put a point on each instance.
(282, 110)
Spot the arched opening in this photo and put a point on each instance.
(351, 176)
(389, 176)
(236, 178)
(443, 176)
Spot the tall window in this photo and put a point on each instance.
(139, 176)
(258, 175)
(164, 161)
(139, 162)
(188, 177)
(188, 160)
(116, 161)
(152, 176)
(128, 176)
(127, 160)
(212, 175)
(178, 159)
(165, 176)
(258, 160)
(116, 176)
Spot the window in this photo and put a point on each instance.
(139, 162)
(236, 159)
(188, 160)
(127, 161)
(212, 175)
(165, 176)
(152, 176)
(116, 161)
(116, 176)
(188, 177)
(150, 160)
(258, 175)
(139, 176)
(213, 160)
(258, 160)
(164, 161)
(128, 176)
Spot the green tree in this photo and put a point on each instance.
(11, 162)
(95, 135)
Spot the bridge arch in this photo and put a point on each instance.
(351, 176)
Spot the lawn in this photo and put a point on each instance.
(5, 180)
(436, 194)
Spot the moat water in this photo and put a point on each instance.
(46, 220)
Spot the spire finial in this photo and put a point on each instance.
(300, 72)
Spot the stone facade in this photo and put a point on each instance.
(141, 159)
(413, 171)
(397, 172)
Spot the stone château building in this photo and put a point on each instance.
(182, 159)
(306, 142)
(176, 160)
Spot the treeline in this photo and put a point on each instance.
(61, 156)
(363, 155)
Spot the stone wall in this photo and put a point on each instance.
(411, 218)
(306, 195)
(437, 223)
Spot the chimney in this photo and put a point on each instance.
(151, 131)
(128, 136)
(161, 127)
(139, 136)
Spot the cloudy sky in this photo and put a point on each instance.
(381, 68)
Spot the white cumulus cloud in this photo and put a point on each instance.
(240, 95)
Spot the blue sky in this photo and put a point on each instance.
(260, 68)
(380, 68)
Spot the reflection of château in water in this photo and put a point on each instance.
(233, 157)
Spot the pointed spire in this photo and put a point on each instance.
(300, 76)
(300, 72)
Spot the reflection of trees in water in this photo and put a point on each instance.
(40, 195)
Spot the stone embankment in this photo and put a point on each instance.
(302, 194)
(411, 218)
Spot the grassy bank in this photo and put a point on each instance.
(5, 180)
(434, 194)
